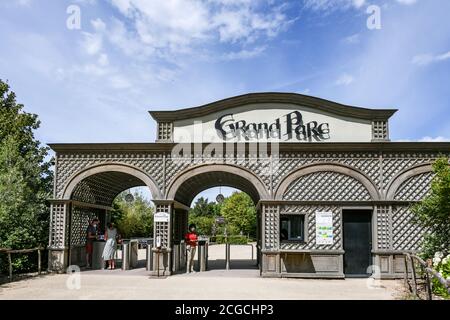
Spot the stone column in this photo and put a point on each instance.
(163, 230)
(58, 255)
(270, 239)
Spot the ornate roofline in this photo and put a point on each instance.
(274, 97)
(437, 147)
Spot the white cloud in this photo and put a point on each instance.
(428, 58)
(330, 5)
(344, 80)
(434, 139)
(16, 3)
(426, 139)
(92, 43)
(407, 2)
(179, 25)
(103, 60)
(243, 54)
(98, 25)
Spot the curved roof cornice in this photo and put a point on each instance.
(274, 97)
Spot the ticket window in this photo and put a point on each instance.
(292, 228)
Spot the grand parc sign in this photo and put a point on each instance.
(272, 123)
(293, 126)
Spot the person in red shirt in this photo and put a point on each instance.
(191, 239)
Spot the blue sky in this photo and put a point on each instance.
(96, 83)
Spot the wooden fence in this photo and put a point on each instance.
(10, 252)
(415, 280)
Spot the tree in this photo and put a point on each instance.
(203, 207)
(433, 212)
(134, 219)
(203, 215)
(25, 179)
(240, 214)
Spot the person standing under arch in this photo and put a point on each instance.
(191, 239)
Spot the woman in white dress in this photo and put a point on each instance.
(110, 246)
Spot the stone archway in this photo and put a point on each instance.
(327, 167)
(403, 176)
(88, 193)
(137, 178)
(198, 178)
(187, 184)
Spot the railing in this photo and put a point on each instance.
(414, 281)
(10, 252)
(228, 253)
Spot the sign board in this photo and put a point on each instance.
(161, 217)
(324, 228)
(272, 123)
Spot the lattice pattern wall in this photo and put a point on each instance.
(380, 130)
(326, 186)
(406, 234)
(103, 187)
(394, 163)
(58, 225)
(383, 231)
(310, 242)
(367, 162)
(165, 130)
(80, 222)
(415, 188)
(260, 167)
(380, 167)
(271, 227)
(162, 229)
(70, 164)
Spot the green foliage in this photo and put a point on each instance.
(442, 265)
(203, 215)
(25, 180)
(240, 214)
(204, 224)
(134, 219)
(203, 207)
(433, 212)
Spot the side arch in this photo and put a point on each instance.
(224, 174)
(403, 176)
(327, 167)
(78, 177)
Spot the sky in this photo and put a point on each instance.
(91, 69)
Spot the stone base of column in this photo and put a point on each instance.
(58, 260)
(163, 262)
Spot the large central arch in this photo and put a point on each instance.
(188, 183)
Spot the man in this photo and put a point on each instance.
(191, 239)
(91, 235)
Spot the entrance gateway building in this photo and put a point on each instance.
(332, 193)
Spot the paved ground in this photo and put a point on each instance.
(242, 282)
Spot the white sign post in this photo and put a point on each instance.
(324, 228)
(161, 217)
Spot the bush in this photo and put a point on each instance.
(204, 224)
(442, 265)
(432, 213)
